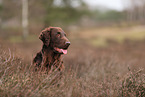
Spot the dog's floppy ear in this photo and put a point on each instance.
(45, 36)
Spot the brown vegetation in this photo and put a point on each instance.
(96, 72)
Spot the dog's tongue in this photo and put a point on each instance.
(61, 50)
(64, 51)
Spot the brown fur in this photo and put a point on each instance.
(49, 58)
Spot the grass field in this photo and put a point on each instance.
(101, 62)
(100, 36)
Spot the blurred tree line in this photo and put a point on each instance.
(51, 12)
(135, 10)
(56, 12)
(41, 12)
(64, 13)
(109, 15)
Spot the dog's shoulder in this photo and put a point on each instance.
(38, 59)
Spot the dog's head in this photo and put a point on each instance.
(55, 37)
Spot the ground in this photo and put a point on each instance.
(100, 62)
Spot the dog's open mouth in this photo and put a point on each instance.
(60, 50)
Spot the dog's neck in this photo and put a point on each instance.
(50, 56)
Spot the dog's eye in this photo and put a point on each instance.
(65, 35)
(58, 32)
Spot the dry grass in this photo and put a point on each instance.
(116, 71)
(99, 36)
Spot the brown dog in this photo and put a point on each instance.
(55, 44)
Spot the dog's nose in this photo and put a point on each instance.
(67, 43)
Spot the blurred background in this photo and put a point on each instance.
(103, 27)
(106, 57)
